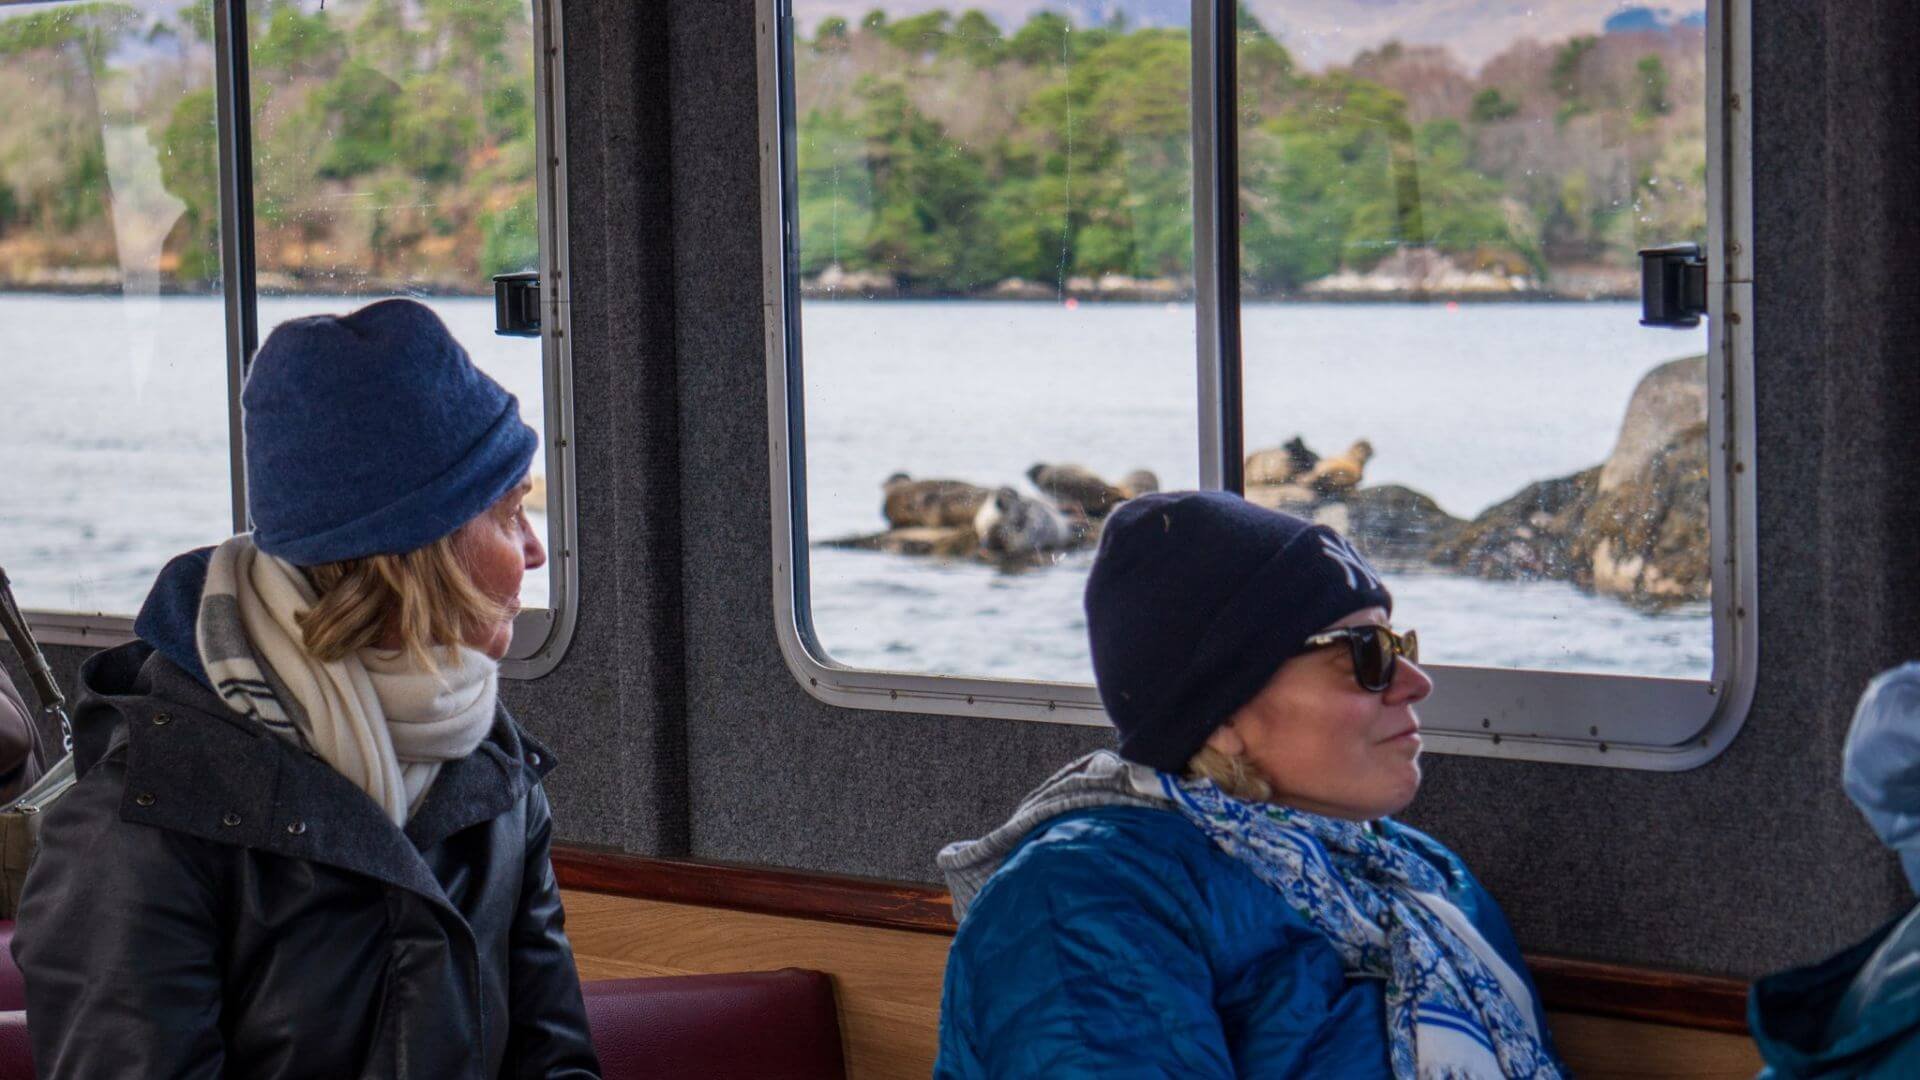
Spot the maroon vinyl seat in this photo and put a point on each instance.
(764, 1025)
(755, 1025)
(13, 988)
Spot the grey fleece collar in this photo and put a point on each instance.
(1102, 778)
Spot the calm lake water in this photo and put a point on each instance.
(113, 435)
(1468, 404)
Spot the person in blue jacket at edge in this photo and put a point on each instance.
(1857, 1013)
(1227, 896)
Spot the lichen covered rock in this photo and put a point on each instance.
(1633, 527)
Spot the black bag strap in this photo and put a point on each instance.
(52, 702)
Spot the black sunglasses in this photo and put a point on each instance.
(1376, 652)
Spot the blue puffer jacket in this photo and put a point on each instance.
(1121, 942)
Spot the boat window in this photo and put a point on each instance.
(391, 147)
(971, 199)
(1400, 296)
(113, 373)
(1440, 312)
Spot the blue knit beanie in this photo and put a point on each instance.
(373, 433)
(1196, 598)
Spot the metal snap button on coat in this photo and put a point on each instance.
(533, 758)
(230, 820)
(298, 828)
(161, 719)
(144, 798)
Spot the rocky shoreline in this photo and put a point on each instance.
(1408, 275)
(1633, 527)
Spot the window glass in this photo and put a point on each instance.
(1439, 224)
(394, 155)
(113, 365)
(997, 323)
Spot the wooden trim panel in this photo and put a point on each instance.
(1566, 985)
(1661, 997)
(891, 905)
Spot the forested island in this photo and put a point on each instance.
(941, 155)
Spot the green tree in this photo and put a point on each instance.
(929, 192)
(1565, 75)
(196, 21)
(1490, 107)
(835, 192)
(82, 193)
(190, 170)
(1653, 88)
(361, 106)
(94, 27)
(294, 44)
(434, 127)
(510, 238)
(921, 35)
(831, 35)
(382, 41)
(1042, 41)
(977, 39)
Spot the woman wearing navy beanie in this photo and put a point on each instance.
(1227, 896)
(306, 839)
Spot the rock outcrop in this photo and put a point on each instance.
(1633, 527)
(1390, 524)
(1528, 537)
(1421, 272)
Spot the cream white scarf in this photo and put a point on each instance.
(380, 721)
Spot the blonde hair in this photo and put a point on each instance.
(426, 596)
(1232, 773)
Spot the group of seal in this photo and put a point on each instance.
(1011, 525)
(1296, 465)
(911, 503)
(1075, 487)
(1007, 525)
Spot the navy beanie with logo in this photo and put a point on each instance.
(1196, 598)
(373, 433)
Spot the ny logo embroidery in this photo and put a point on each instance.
(1340, 551)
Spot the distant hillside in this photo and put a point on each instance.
(943, 155)
(1318, 33)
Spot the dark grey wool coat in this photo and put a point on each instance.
(210, 900)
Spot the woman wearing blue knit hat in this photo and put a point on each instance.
(306, 839)
(1227, 895)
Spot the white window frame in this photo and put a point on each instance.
(1620, 721)
(540, 635)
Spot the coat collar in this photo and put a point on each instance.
(196, 767)
(1815, 1020)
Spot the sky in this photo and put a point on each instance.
(1317, 32)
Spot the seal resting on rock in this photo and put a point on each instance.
(930, 503)
(1139, 482)
(1011, 526)
(1335, 476)
(1077, 487)
(1266, 468)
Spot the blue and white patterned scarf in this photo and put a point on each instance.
(1455, 1008)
